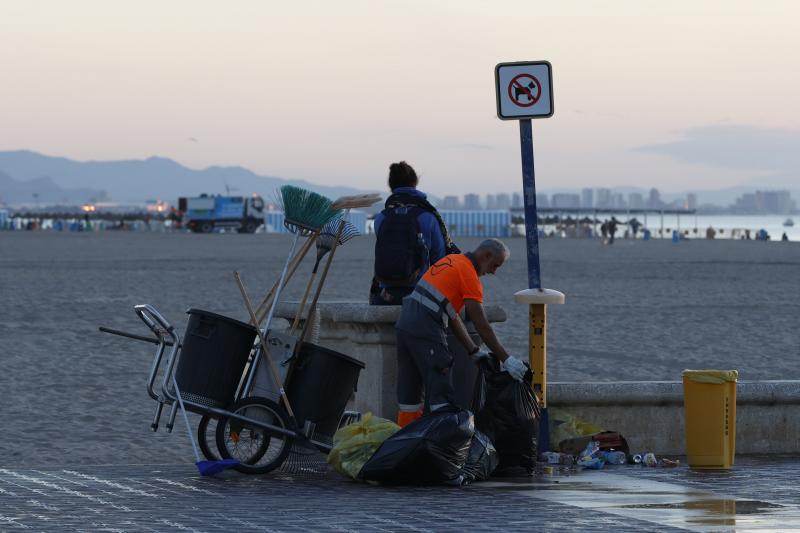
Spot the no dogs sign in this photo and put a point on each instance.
(524, 90)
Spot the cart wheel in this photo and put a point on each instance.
(206, 436)
(257, 451)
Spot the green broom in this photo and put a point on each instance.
(304, 212)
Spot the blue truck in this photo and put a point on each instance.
(204, 213)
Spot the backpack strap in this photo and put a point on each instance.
(405, 200)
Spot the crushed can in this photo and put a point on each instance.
(615, 457)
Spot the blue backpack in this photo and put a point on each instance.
(400, 250)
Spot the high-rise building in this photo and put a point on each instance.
(450, 202)
(618, 201)
(747, 203)
(503, 201)
(472, 202)
(654, 200)
(603, 200)
(777, 202)
(541, 200)
(491, 202)
(635, 201)
(587, 198)
(691, 201)
(516, 200)
(566, 200)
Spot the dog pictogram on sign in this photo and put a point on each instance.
(524, 90)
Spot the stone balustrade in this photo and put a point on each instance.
(649, 414)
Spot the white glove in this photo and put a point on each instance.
(515, 368)
(480, 354)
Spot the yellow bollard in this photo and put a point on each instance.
(537, 300)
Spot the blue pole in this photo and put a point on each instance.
(532, 241)
(529, 193)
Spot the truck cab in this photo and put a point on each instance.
(205, 213)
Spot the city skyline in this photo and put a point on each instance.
(757, 202)
(646, 94)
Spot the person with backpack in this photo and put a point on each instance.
(424, 359)
(410, 236)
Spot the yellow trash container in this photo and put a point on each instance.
(709, 404)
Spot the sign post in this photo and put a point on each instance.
(525, 92)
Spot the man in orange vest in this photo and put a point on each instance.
(423, 358)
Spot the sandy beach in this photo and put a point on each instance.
(635, 311)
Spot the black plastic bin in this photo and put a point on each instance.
(320, 384)
(213, 356)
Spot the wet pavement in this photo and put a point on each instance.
(759, 494)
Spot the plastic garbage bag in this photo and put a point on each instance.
(591, 457)
(507, 412)
(564, 426)
(482, 459)
(355, 443)
(431, 449)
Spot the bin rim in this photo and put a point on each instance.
(195, 311)
(711, 376)
(334, 352)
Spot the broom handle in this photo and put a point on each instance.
(276, 294)
(264, 349)
(186, 419)
(313, 307)
(262, 307)
(305, 297)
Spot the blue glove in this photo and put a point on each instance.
(515, 368)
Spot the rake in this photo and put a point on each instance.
(348, 203)
(325, 243)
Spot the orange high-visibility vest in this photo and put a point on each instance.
(446, 285)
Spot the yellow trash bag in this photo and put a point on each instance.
(564, 426)
(355, 443)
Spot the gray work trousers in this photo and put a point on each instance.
(423, 365)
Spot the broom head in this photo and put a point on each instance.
(305, 211)
(327, 236)
(356, 201)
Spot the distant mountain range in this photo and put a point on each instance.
(29, 178)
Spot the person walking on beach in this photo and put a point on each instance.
(612, 230)
(410, 236)
(604, 231)
(424, 360)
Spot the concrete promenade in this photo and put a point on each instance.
(759, 494)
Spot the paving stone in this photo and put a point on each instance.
(174, 497)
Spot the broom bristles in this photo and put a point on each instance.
(356, 201)
(305, 211)
(327, 237)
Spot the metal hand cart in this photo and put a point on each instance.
(219, 369)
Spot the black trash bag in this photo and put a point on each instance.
(507, 412)
(431, 449)
(482, 459)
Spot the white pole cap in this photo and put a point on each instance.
(539, 296)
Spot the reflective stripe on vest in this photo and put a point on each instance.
(433, 299)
